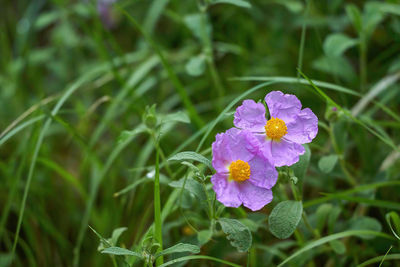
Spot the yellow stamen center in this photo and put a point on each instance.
(275, 128)
(239, 171)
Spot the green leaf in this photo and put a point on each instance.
(110, 242)
(192, 186)
(372, 16)
(333, 218)
(116, 234)
(195, 24)
(198, 257)
(45, 19)
(322, 214)
(390, 8)
(5, 259)
(336, 44)
(179, 116)
(120, 251)
(366, 223)
(327, 163)
(125, 135)
(284, 218)
(189, 155)
(338, 246)
(238, 234)
(329, 238)
(204, 236)
(181, 247)
(355, 16)
(395, 228)
(196, 66)
(254, 221)
(239, 3)
(339, 66)
(292, 5)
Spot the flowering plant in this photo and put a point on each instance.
(244, 157)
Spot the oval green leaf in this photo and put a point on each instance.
(284, 218)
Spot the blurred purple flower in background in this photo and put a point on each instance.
(243, 175)
(104, 8)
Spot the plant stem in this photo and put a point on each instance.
(208, 51)
(308, 225)
(363, 63)
(157, 206)
(349, 177)
(302, 40)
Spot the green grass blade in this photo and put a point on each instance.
(379, 259)
(349, 192)
(199, 257)
(329, 238)
(171, 74)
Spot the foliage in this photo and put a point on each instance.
(109, 109)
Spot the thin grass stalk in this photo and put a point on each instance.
(157, 206)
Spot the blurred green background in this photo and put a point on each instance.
(77, 79)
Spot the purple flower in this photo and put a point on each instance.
(243, 174)
(104, 8)
(282, 136)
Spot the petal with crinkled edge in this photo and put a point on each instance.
(254, 197)
(222, 155)
(304, 128)
(283, 106)
(285, 152)
(250, 116)
(232, 145)
(227, 191)
(263, 173)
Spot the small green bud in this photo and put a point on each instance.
(149, 117)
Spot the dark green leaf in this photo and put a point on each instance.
(237, 233)
(322, 214)
(179, 116)
(239, 3)
(355, 16)
(338, 246)
(284, 218)
(327, 163)
(192, 186)
(189, 155)
(395, 227)
(336, 44)
(125, 135)
(116, 234)
(204, 236)
(181, 247)
(195, 24)
(120, 251)
(335, 66)
(366, 223)
(196, 66)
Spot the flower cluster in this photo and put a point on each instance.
(245, 156)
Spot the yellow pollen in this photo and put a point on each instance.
(239, 171)
(275, 128)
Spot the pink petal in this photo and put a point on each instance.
(263, 173)
(304, 128)
(250, 116)
(283, 106)
(285, 152)
(227, 191)
(254, 197)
